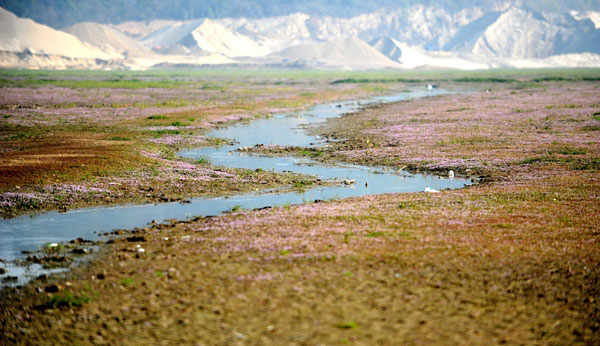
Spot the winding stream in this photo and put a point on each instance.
(28, 233)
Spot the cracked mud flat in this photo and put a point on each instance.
(514, 260)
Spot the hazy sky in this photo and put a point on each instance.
(60, 13)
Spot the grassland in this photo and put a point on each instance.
(80, 138)
(513, 260)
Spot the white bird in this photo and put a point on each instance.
(451, 174)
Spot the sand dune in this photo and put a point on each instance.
(18, 35)
(108, 39)
(413, 57)
(204, 36)
(348, 53)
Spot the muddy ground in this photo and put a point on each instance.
(514, 260)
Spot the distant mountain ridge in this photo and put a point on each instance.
(416, 37)
(62, 13)
(521, 34)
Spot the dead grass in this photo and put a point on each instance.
(63, 157)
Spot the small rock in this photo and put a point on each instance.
(172, 273)
(52, 289)
(2, 271)
(80, 241)
(136, 239)
(10, 279)
(80, 251)
(240, 336)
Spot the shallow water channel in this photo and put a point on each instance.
(29, 233)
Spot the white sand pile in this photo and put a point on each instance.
(139, 30)
(29, 60)
(203, 37)
(348, 53)
(555, 61)
(412, 57)
(18, 35)
(108, 39)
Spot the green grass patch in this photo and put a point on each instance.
(587, 164)
(310, 153)
(591, 128)
(376, 234)
(93, 83)
(158, 133)
(525, 85)
(538, 159)
(465, 141)
(348, 325)
(178, 124)
(566, 79)
(569, 151)
(484, 80)
(504, 225)
(157, 117)
(574, 162)
(212, 87)
(457, 109)
(118, 138)
(389, 234)
(200, 77)
(66, 299)
(18, 136)
(302, 184)
(405, 205)
(519, 110)
(568, 106)
(126, 282)
(379, 80)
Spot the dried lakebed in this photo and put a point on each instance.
(28, 233)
